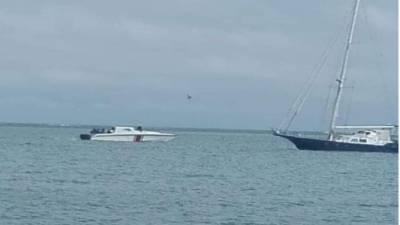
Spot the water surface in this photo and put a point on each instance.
(49, 176)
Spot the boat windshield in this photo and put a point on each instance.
(102, 130)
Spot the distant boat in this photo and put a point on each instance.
(364, 139)
(188, 97)
(128, 134)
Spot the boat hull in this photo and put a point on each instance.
(325, 145)
(128, 137)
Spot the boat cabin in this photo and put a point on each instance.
(376, 136)
(115, 130)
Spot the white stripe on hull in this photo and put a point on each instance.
(158, 138)
(132, 138)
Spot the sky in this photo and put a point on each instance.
(244, 62)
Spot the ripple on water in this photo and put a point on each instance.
(49, 177)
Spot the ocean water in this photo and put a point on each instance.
(49, 176)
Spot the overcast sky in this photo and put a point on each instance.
(244, 62)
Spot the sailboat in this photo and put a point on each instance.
(364, 139)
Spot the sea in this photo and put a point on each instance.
(49, 176)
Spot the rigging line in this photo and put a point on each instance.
(292, 107)
(378, 62)
(303, 97)
(324, 114)
(349, 105)
(311, 83)
(300, 100)
(344, 67)
(326, 109)
(303, 92)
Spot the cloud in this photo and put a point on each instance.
(125, 59)
(381, 19)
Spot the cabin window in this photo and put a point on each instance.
(127, 129)
(354, 140)
(363, 140)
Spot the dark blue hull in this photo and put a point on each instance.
(326, 145)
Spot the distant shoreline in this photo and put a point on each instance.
(187, 129)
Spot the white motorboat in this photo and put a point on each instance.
(129, 134)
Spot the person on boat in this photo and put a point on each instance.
(139, 128)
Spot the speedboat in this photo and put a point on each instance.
(129, 134)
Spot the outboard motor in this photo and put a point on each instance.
(85, 136)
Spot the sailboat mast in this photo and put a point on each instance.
(343, 71)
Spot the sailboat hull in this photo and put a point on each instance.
(326, 145)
